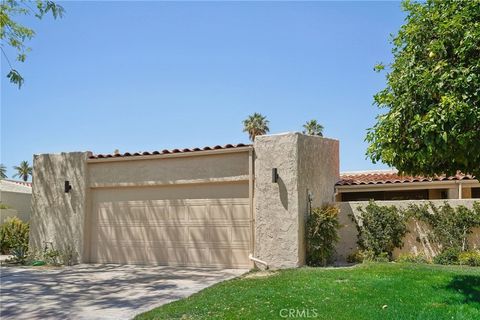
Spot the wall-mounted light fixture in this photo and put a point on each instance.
(274, 175)
(68, 187)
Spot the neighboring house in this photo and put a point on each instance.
(389, 185)
(16, 195)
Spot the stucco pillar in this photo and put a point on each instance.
(58, 217)
(307, 169)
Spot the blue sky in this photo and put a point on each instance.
(152, 75)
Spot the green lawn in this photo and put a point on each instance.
(369, 291)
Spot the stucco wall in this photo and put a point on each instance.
(303, 162)
(348, 232)
(318, 171)
(20, 202)
(202, 169)
(59, 217)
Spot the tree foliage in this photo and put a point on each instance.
(432, 97)
(14, 34)
(24, 170)
(256, 124)
(3, 171)
(313, 128)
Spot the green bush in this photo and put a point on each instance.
(469, 258)
(450, 227)
(322, 235)
(14, 235)
(413, 258)
(447, 256)
(52, 256)
(355, 257)
(380, 230)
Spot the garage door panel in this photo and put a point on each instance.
(141, 233)
(191, 232)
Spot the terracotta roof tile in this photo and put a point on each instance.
(165, 151)
(390, 177)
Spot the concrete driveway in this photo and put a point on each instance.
(99, 291)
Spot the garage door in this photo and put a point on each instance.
(213, 232)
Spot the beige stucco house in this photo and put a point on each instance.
(212, 207)
(16, 196)
(222, 206)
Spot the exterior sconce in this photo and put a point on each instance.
(68, 187)
(274, 175)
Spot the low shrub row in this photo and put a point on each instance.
(382, 228)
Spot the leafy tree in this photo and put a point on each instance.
(256, 124)
(3, 171)
(14, 34)
(313, 128)
(432, 98)
(24, 170)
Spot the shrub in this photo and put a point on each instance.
(355, 257)
(322, 227)
(380, 229)
(469, 258)
(52, 256)
(14, 235)
(449, 226)
(447, 256)
(413, 258)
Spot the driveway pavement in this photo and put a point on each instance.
(99, 291)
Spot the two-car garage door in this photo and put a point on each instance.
(203, 225)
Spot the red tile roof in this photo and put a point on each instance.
(388, 177)
(23, 183)
(165, 151)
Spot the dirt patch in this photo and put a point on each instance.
(260, 274)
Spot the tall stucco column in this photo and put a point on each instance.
(308, 169)
(58, 217)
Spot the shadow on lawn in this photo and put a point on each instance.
(468, 286)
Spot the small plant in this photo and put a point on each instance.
(4, 206)
(469, 258)
(413, 258)
(447, 256)
(380, 229)
(14, 235)
(52, 256)
(322, 235)
(20, 254)
(355, 257)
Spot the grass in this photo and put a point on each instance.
(368, 291)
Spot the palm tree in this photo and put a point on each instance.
(3, 171)
(23, 170)
(255, 125)
(313, 128)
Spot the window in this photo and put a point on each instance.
(475, 192)
(386, 195)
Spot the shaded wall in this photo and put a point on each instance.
(58, 217)
(304, 163)
(20, 202)
(415, 241)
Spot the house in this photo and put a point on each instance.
(221, 206)
(16, 196)
(389, 185)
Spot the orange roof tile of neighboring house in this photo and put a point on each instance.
(165, 151)
(387, 177)
(23, 183)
